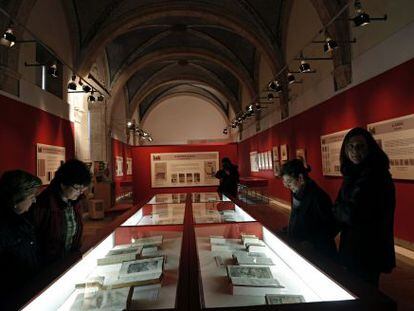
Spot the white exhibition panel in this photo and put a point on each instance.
(330, 150)
(48, 160)
(396, 139)
(184, 169)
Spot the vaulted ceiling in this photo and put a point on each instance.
(157, 48)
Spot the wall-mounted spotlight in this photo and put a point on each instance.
(52, 70)
(225, 131)
(274, 86)
(8, 38)
(291, 78)
(362, 18)
(72, 84)
(330, 45)
(86, 88)
(130, 125)
(91, 98)
(100, 98)
(304, 66)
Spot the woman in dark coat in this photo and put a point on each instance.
(18, 247)
(311, 220)
(365, 207)
(56, 214)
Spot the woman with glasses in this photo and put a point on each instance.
(311, 222)
(365, 207)
(18, 247)
(56, 214)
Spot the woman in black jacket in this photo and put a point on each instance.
(311, 220)
(365, 207)
(18, 247)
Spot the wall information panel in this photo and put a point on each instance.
(49, 158)
(396, 138)
(330, 149)
(184, 169)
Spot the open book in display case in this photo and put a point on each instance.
(200, 252)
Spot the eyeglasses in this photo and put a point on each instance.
(79, 189)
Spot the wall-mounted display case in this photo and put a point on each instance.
(217, 264)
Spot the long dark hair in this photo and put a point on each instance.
(376, 157)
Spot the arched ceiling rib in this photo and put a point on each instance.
(220, 42)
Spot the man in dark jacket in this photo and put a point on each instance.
(311, 220)
(229, 177)
(56, 214)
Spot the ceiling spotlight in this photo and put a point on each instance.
(91, 98)
(225, 131)
(270, 97)
(8, 39)
(86, 88)
(53, 70)
(274, 86)
(361, 18)
(291, 78)
(329, 45)
(304, 66)
(101, 98)
(72, 84)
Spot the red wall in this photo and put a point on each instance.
(122, 150)
(22, 126)
(141, 168)
(386, 96)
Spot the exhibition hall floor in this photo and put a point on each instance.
(399, 285)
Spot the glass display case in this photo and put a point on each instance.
(161, 214)
(163, 198)
(218, 212)
(192, 257)
(295, 276)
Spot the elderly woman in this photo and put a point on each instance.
(365, 207)
(56, 214)
(18, 248)
(311, 221)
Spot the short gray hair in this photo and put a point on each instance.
(16, 186)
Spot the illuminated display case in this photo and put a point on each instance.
(295, 274)
(218, 212)
(196, 275)
(162, 214)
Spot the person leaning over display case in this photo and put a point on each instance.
(57, 215)
(365, 207)
(228, 176)
(18, 247)
(311, 221)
